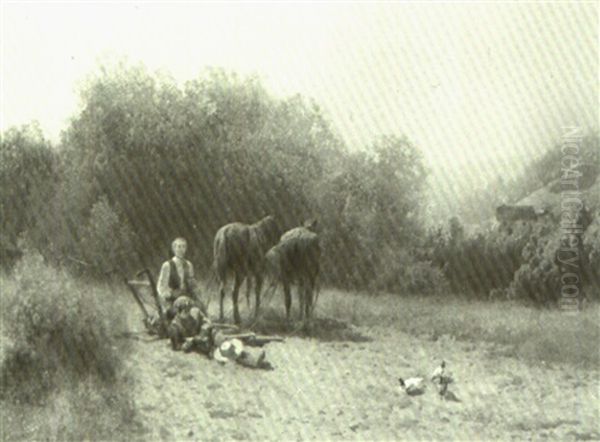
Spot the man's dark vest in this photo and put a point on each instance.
(175, 281)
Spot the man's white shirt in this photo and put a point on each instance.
(164, 291)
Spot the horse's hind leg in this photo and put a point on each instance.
(308, 297)
(248, 289)
(221, 297)
(287, 299)
(302, 298)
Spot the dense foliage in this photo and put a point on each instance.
(147, 159)
(58, 349)
(53, 333)
(27, 182)
(520, 260)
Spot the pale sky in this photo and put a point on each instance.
(476, 86)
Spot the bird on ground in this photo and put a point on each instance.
(439, 371)
(412, 386)
(442, 378)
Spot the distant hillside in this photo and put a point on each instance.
(583, 179)
(538, 185)
(550, 197)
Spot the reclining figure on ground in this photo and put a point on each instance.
(190, 330)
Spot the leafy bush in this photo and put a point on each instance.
(107, 242)
(27, 179)
(57, 332)
(516, 260)
(61, 375)
(538, 279)
(401, 272)
(591, 244)
(544, 257)
(477, 265)
(423, 278)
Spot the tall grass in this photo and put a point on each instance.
(524, 332)
(61, 375)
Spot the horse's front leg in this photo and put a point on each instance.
(234, 296)
(258, 289)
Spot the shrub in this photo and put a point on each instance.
(56, 331)
(107, 242)
(591, 244)
(422, 277)
(28, 173)
(401, 272)
(477, 265)
(515, 260)
(61, 375)
(538, 279)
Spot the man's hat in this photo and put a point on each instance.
(183, 302)
(229, 350)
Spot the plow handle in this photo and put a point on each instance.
(154, 291)
(136, 297)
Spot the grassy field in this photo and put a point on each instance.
(337, 379)
(520, 331)
(524, 332)
(75, 338)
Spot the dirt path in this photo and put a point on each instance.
(348, 390)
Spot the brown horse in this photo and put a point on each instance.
(239, 249)
(295, 259)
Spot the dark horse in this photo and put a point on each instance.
(295, 259)
(239, 249)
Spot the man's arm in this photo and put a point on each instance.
(164, 292)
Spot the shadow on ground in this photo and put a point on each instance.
(324, 329)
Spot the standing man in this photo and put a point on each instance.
(177, 279)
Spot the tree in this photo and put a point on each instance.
(27, 180)
(184, 161)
